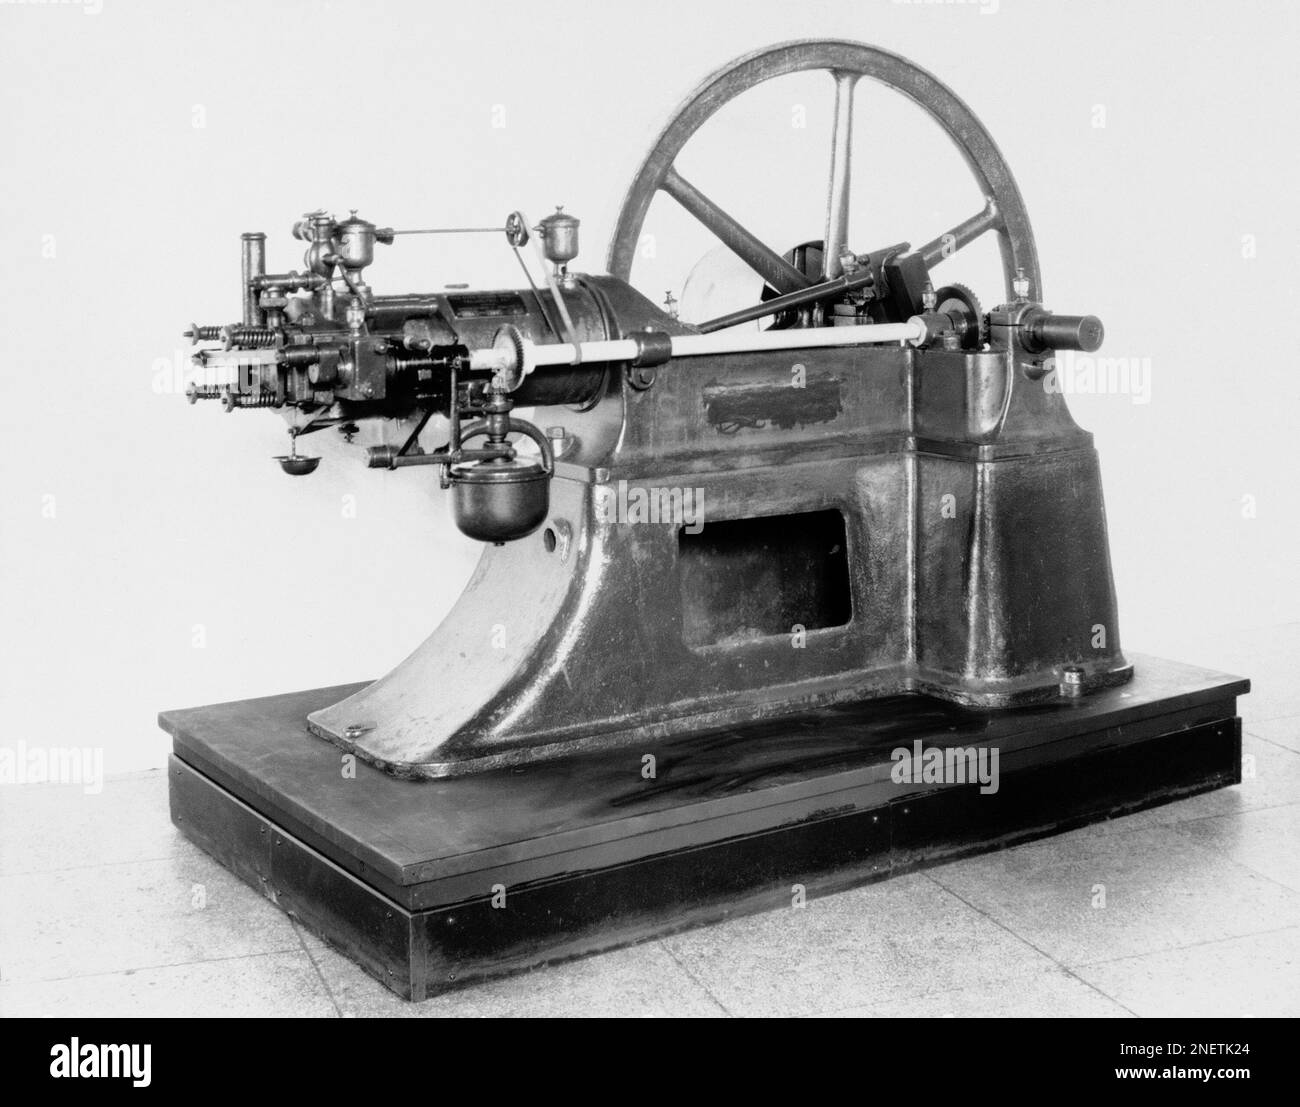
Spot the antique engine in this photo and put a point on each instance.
(706, 524)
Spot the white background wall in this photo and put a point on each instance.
(179, 566)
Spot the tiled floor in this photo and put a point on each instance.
(106, 910)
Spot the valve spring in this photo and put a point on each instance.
(203, 334)
(407, 360)
(205, 391)
(262, 399)
(254, 338)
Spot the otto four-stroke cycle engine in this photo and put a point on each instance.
(882, 495)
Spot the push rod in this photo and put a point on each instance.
(799, 298)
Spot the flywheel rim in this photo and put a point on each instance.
(1003, 214)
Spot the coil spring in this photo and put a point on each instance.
(197, 392)
(197, 334)
(262, 399)
(252, 338)
(405, 360)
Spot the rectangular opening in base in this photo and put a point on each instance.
(761, 577)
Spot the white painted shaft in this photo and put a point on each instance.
(696, 345)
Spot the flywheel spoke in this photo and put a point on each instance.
(846, 62)
(963, 234)
(768, 264)
(837, 201)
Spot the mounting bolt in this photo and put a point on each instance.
(1072, 679)
(641, 377)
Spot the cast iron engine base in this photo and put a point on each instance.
(408, 878)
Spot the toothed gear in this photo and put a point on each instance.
(957, 299)
(510, 338)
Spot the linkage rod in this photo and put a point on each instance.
(453, 230)
(809, 295)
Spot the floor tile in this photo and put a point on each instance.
(59, 826)
(1254, 976)
(131, 916)
(1052, 993)
(869, 945)
(1161, 891)
(1281, 732)
(273, 985)
(1265, 841)
(308, 939)
(640, 981)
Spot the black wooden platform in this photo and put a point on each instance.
(402, 875)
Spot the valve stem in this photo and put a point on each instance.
(197, 334)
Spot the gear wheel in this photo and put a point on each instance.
(962, 305)
(511, 339)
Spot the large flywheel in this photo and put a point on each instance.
(1003, 212)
